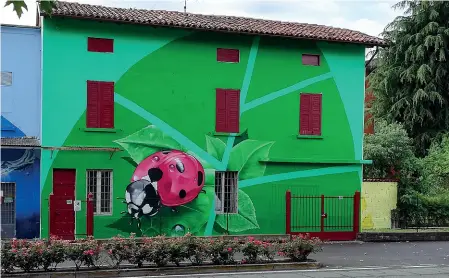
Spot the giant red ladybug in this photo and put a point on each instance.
(180, 176)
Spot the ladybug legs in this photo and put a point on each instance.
(174, 209)
(203, 191)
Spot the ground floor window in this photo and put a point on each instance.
(8, 222)
(99, 182)
(226, 192)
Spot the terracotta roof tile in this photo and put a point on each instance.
(230, 24)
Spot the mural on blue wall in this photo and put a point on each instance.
(22, 167)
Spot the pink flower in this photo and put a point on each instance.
(110, 251)
(251, 238)
(257, 242)
(14, 250)
(229, 249)
(243, 261)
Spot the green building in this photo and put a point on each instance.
(181, 122)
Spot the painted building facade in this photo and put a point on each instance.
(179, 130)
(20, 131)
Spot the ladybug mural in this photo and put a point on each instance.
(166, 178)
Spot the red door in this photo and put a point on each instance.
(62, 215)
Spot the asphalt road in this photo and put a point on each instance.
(383, 254)
(410, 259)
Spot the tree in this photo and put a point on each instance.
(20, 6)
(410, 82)
(436, 167)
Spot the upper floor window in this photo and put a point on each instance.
(99, 183)
(100, 104)
(100, 45)
(310, 114)
(228, 55)
(227, 113)
(226, 192)
(6, 78)
(311, 59)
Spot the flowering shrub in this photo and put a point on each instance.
(177, 250)
(298, 248)
(222, 250)
(159, 251)
(255, 251)
(83, 252)
(139, 252)
(120, 249)
(31, 255)
(8, 257)
(196, 249)
(27, 254)
(53, 253)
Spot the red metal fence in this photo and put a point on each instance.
(326, 217)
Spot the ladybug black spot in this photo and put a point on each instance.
(179, 166)
(200, 178)
(155, 174)
(182, 194)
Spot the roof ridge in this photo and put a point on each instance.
(227, 23)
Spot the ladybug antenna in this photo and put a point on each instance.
(203, 191)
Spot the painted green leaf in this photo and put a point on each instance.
(215, 147)
(245, 158)
(210, 176)
(202, 161)
(241, 138)
(191, 217)
(130, 160)
(244, 220)
(147, 141)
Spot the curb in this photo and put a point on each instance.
(186, 270)
(403, 237)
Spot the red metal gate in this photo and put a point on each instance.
(329, 218)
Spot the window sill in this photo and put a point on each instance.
(106, 130)
(102, 214)
(227, 134)
(309, 137)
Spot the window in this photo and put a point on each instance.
(310, 114)
(99, 183)
(100, 104)
(100, 45)
(226, 192)
(227, 117)
(228, 55)
(311, 60)
(6, 78)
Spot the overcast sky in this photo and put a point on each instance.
(368, 16)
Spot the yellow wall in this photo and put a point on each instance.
(378, 199)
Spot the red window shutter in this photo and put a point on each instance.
(93, 100)
(316, 114)
(311, 60)
(220, 111)
(107, 105)
(227, 117)
(100, 45)
(228, 55)
(304, 115)
(310, 114)
(233, 110)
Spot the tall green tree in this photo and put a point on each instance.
(411, 79)
(20, 6)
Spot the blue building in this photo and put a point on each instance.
(20, 131)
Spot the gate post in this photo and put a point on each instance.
(90, 214)
(356, 220)
(288, 212)
(323, 214)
